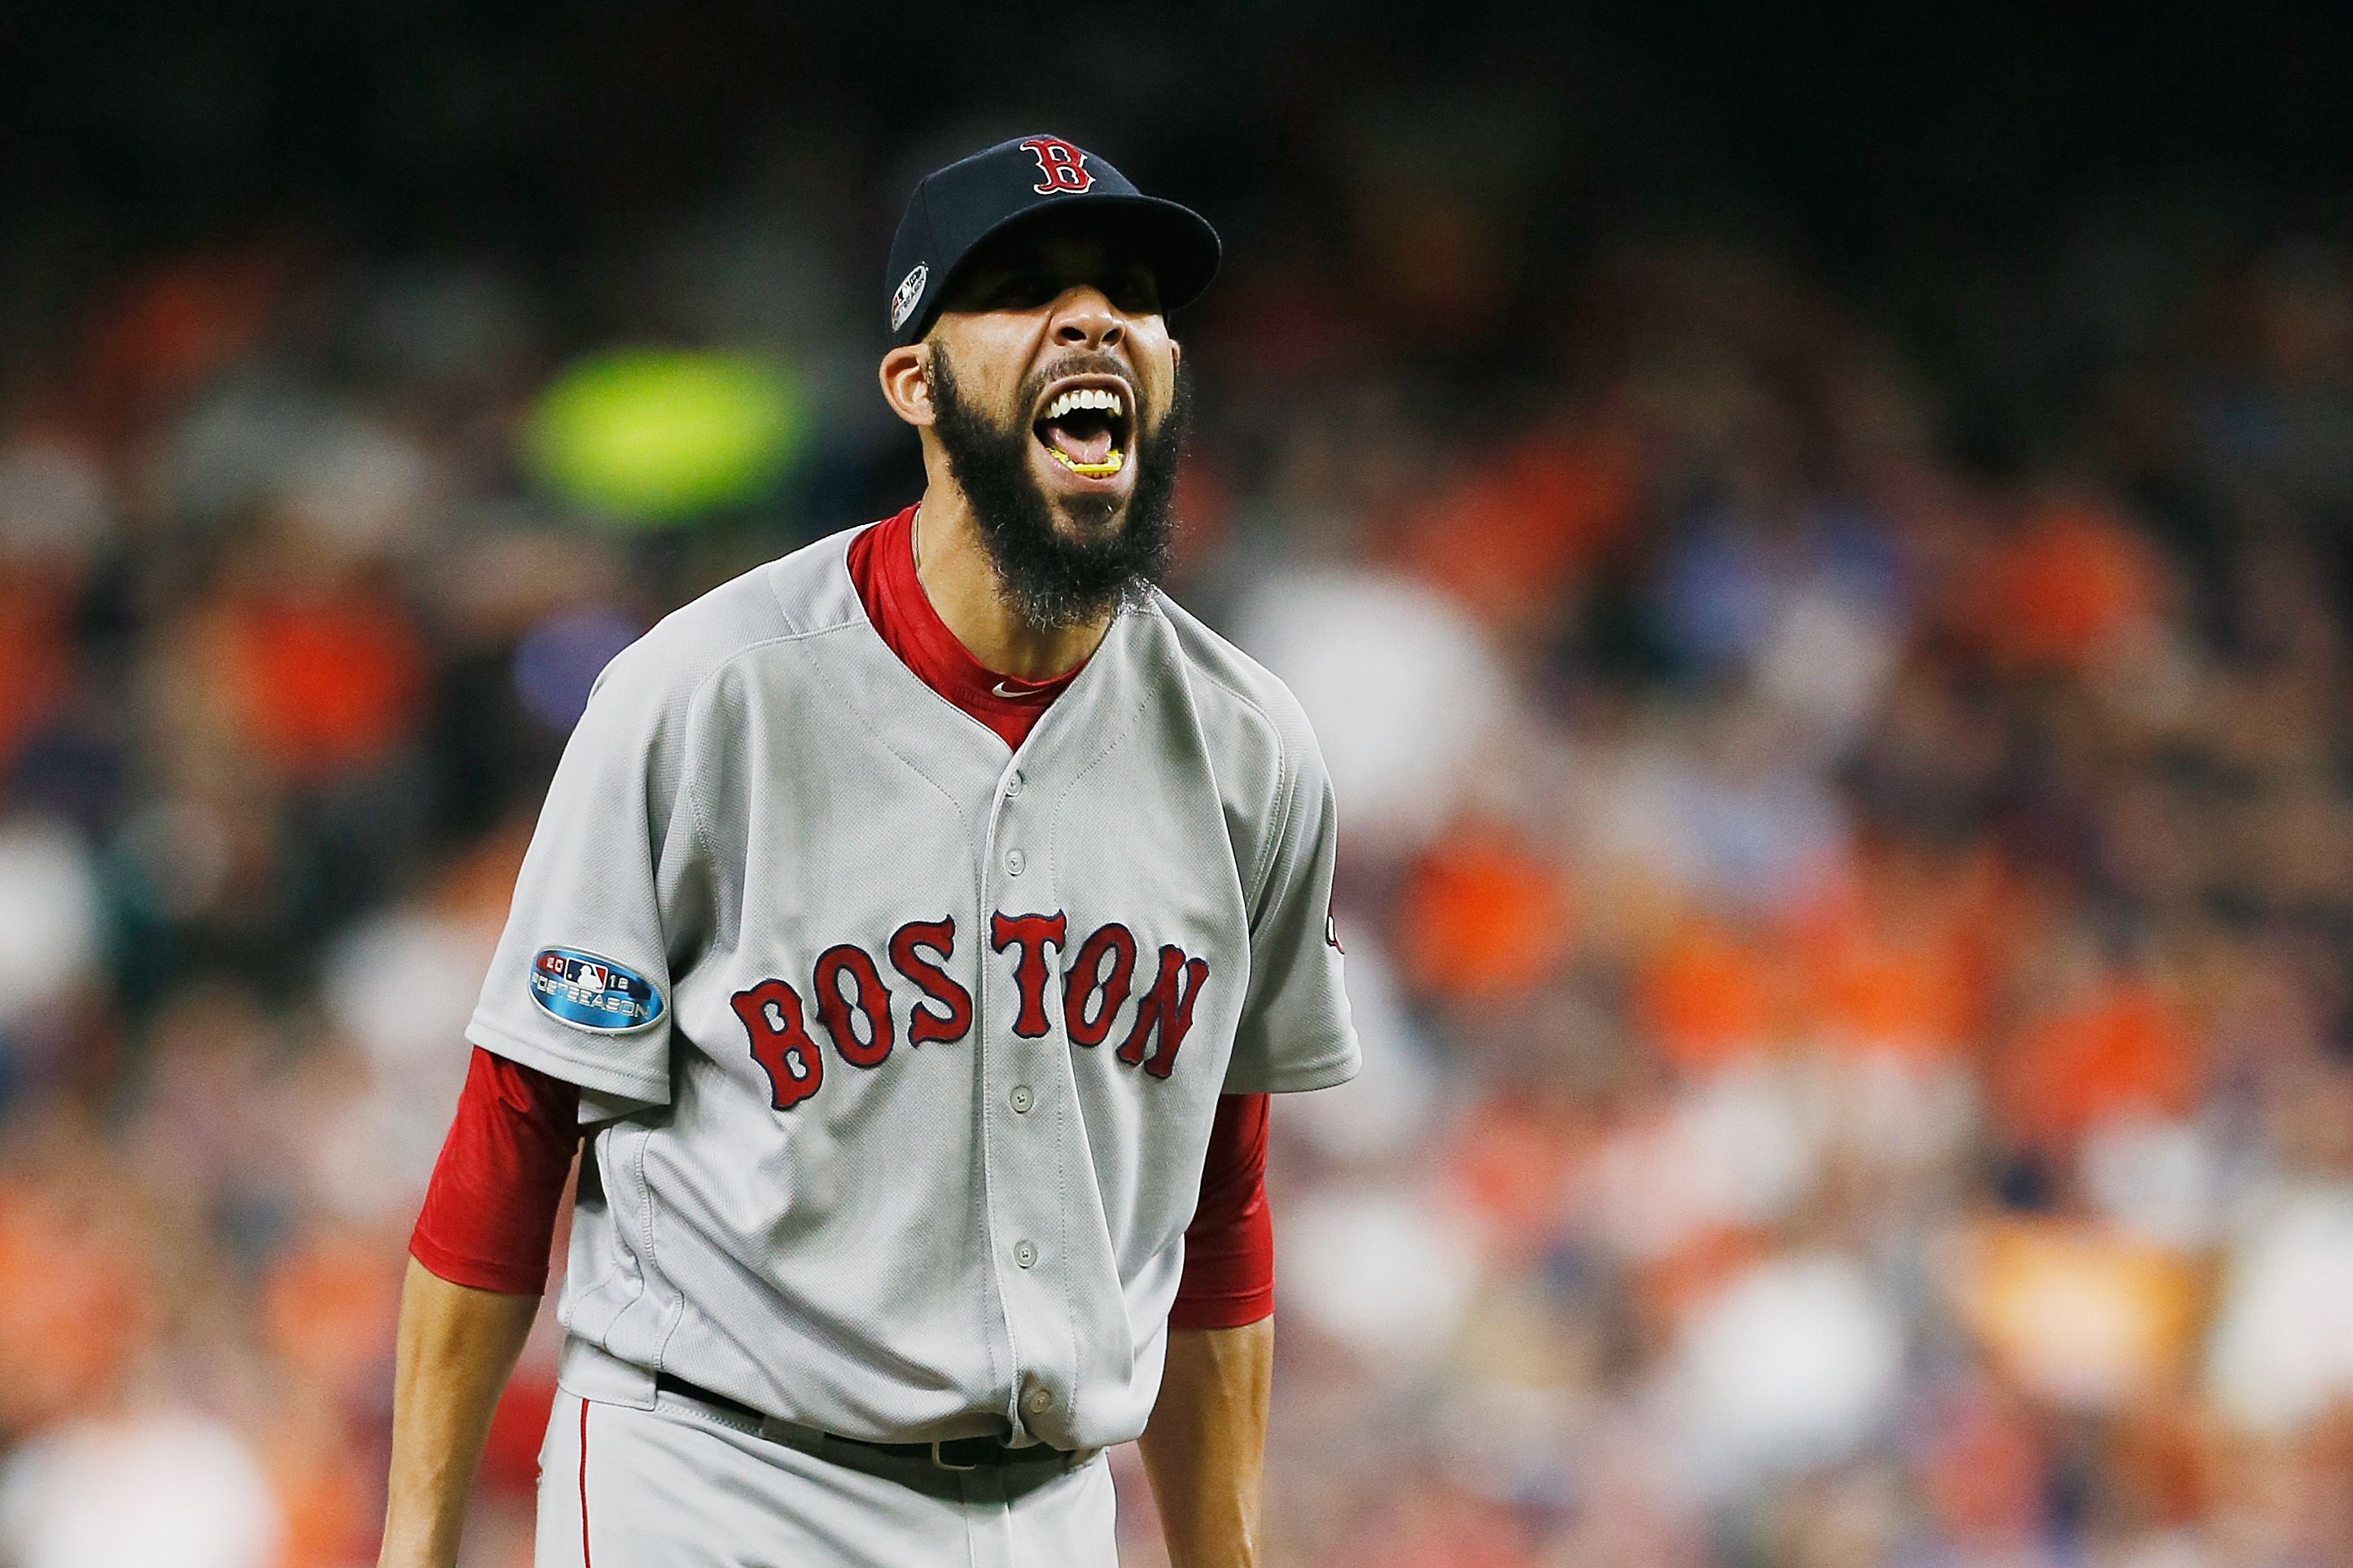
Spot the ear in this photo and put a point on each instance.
(1176, 354)
(905, 386)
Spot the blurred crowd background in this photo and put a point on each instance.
(1816, 553)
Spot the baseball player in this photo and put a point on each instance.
(914, 929)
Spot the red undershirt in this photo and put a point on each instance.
(489, 1211)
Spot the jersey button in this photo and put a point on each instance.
(1024, 1254)
(1022, 1099)
(1014, 861)
(1013, 784)
(1039, 1402)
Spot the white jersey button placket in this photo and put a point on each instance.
(1028, 1167)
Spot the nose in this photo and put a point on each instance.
(1084, 317)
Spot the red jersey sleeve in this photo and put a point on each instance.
(490, 1213)
(1229, 1277)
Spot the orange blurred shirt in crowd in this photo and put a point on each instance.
(323, 686)
(73, 1310)
(1708, 994)
(1520, 522)
(2072, 580)
(1483, 915)
(1898, 956)
(2124, 1048)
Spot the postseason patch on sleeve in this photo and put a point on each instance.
(592, 992)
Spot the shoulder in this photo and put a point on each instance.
(805, 593)
(1236, 699)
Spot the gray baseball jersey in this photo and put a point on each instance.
(903, 1048)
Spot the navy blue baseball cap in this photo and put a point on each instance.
(957, 210)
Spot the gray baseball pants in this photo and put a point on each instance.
(684, 1486)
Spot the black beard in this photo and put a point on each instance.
(1056, 579)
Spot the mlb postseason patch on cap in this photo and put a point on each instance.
(910, 290)
(592, 992)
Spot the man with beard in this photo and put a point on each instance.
(916, 926)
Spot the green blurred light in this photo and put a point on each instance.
(660, 435)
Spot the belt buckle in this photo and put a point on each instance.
(940, 1460)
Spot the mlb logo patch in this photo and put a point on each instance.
(910, 290)
(589, 992)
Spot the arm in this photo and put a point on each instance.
(478, 1266)
(457, 1346)
(1207, 1434)
(1207, 1443)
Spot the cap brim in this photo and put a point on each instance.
(1174, 240)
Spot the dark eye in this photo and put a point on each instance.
(1137, 293)
(1022, 291)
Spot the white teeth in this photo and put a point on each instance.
(1100, 397)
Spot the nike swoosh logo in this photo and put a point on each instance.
(1007, 692)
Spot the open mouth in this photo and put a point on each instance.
(1084, 427)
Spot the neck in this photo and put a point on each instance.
(953, 567)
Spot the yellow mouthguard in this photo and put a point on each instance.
(1110, 465)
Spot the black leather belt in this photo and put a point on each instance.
(948, 1454)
